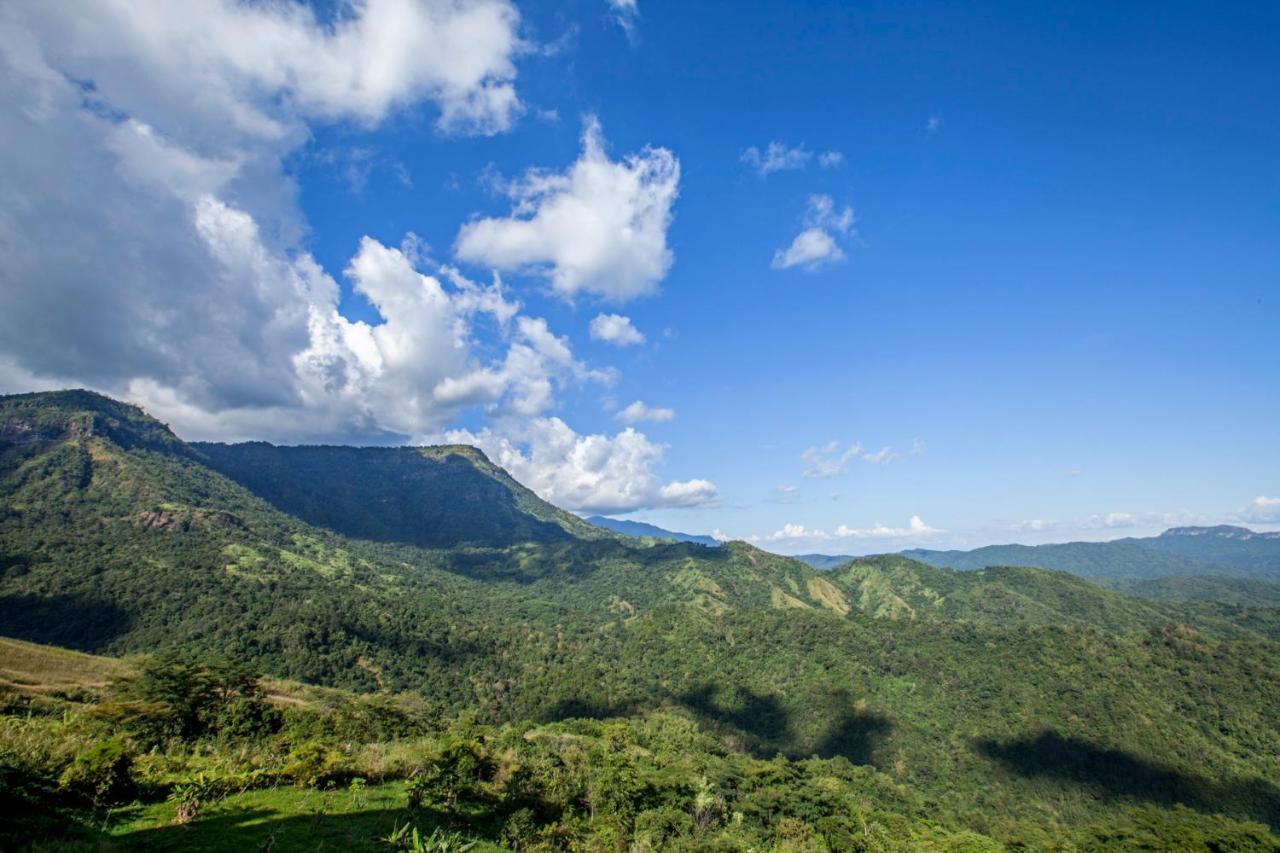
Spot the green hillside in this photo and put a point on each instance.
(432, 497)
(1013, 703)
(895, 587)
(1119, 559)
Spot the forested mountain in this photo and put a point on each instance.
(1178, 552)
(432, 497)
(641, 530)
(1019, 704)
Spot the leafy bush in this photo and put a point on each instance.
(316, 764)
(100, 773)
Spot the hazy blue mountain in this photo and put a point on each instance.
(825, 562)
(1178, 552)
(1239, 549)
(642, 530)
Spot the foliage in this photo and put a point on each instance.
(100, 773)
(750, 701)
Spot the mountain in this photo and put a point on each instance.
(1234, 550)
(641, 530)
(1022, 693)
(431, 497)
(895, 587)
(824, 562)
(1178, 552)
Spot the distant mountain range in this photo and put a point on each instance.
(1178, 552)
(640, 530)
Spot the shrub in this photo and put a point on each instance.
(315, 764)
(101, 773)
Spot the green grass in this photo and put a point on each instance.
(278, 819)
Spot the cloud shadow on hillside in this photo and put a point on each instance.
(767, 726)
(72, 621)
(1119, 774)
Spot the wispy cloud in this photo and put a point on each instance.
(819, 243)
(776, 157)
(829, 460)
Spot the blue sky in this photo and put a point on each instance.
(1042, 262)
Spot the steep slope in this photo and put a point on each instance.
(431, 497)
(641, 530)
(115, 535)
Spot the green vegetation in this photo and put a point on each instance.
(1178, 552)
(330, 774)
(528, 683)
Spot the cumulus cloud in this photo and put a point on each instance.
(212, 61)
(154, 247)
(1263, 510)
(915, 529)
(144, 191)
(831, 159)
(776, 157)
(638, 411)
(599, 228)
(589, 473)
(615, 329)
(818, 244)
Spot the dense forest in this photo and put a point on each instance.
(469, 663)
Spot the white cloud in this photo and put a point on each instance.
(915, 529)
(599, 228)
(831, 159)
(934, 124)
(154, 247)
(589, 473)
(625, 12)
(214, 61)
(689, 493)
(829, 460)
(1263, 510)
(817, 245)
(776, 157)
(883, 456)
(144, 191)
(615, 329)
(1121, 520)
(638, 411)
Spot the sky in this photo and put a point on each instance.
(840, 277)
